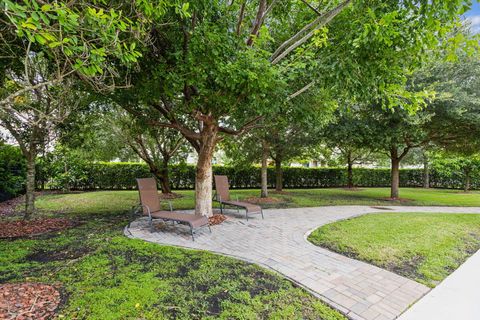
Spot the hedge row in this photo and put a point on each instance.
(122, 176)
(12, 172)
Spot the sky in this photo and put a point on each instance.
(474, 16)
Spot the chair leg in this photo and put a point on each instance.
(191, 232)
(246, 214)
(209, 228)
(261, 210)
(221, 208)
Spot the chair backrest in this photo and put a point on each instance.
(221, 186)
(147, 190)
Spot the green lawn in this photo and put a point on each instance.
(107, 201)
(425, 247)
(105, 275)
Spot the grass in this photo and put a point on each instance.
(425, 247)
(104, 202)
(105, 275)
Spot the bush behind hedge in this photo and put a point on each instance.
(122, 175)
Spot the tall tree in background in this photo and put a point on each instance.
(32, 118)
(346, 136)
(155, 145)
(395, 133)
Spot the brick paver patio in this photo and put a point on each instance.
(358, 289)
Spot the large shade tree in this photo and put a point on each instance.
(218, 71)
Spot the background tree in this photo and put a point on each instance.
(452, 165)
(104, 131)
(347, 135)
(32, 118)
(395, 133)
(249, 149)
(155, 145)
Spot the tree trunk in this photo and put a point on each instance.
(349, 170)
(30, 188)
(264, 170)
(165, 180)
(278, 175)
(466, 186)
(67, 184)
(426, 172)
(161, 174)
(203, 177)
(395, 177)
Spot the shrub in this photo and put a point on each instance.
(121, 175)
(12, 171)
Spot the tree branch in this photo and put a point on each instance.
(298, 39)
(246, 127)
(302, 90)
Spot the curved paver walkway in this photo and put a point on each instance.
(358, 289)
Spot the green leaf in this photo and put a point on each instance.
(54, 44)
(46, 7)
(29, 25)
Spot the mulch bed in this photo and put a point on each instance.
(22, 301)
(24, 228)
(268, 200)
(7, 208)
(216, 219)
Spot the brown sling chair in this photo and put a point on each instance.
(150, 204)
(222, 195)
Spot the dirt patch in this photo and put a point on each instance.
(216, 219)
(215, 301)
(169, 196)
(264, 282)
(59, 254)
(407, 267)
(28, 228)
(268, 200)
(33, 301)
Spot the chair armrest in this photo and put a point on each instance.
(148, 209)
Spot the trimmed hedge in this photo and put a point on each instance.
(12, 172)
(117, 175)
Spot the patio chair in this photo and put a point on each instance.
(150, 204)
(222, 195)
